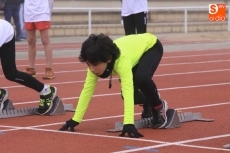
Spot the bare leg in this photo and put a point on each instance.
(47, 47)
(31, 38)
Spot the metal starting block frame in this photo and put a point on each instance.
(174, 120)
(58, 108)
(226, 146)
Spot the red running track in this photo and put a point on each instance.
(195, 81)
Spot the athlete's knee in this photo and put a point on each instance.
(141, 80)
(11, 75)
(31, 42)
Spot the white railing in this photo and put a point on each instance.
(184, 8)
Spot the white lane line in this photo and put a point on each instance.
(113, 94)
(161, 143)
(192, 72)
(118, 116)
(203, 106)
(195, 55)
(99, 135)
(70, 98)
(165, 56)
(180, 143)
(170, 64)
(195, 86)
(58, 72)
(203, 62)
(203, 147)
(76, 133)
(12, 128)
(157, 75)
(210, 61)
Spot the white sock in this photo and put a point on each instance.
(45, 90)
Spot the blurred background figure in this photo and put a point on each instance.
(134, 16)
(11, 9)
(22, 21)
(37, 17)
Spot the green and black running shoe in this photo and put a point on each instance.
(46, 101)
(3, 97)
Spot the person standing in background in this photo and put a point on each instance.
(11, 9)
(51, 2)
(37, 17)
(134, 16)
(22, 22)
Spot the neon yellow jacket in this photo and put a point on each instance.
(132, 48)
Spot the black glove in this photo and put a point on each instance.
(131, 130)
(69, 124)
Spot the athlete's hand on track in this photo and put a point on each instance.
(69, 124)
(131, 130)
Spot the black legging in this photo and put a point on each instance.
(7, 55)
(135, 23)
(142, 76)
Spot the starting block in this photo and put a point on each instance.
(174, 120)
(58, 108)
(227, 146)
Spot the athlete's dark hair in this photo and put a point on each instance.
(98, 48)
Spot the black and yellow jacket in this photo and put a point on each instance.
(132, 47)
